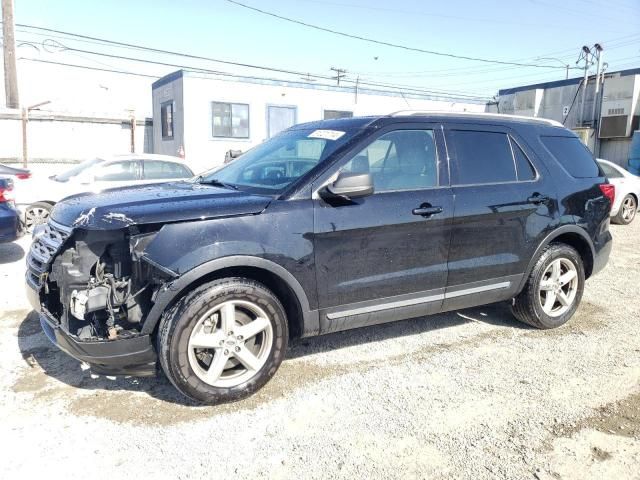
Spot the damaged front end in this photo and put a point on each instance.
(93, 292)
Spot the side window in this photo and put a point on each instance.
(609, 171)
(399, 160)
(230, 120)
(573, 155)
(166, 120)
(117, 172)
(158, 170)
(524, 168)
(481, 157)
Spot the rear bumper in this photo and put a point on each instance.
(128, 356)
(602, 249)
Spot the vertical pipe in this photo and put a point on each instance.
(25, 153)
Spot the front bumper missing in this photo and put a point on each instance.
(126, 356)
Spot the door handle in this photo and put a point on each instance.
(426, 211)
(537, 199)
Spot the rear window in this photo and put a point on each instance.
(573, 155)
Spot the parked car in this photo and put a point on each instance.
(10, 226)
(14, 172)
(325, 227)
(36, 197)
(627, 192)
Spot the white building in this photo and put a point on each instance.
(207, 115)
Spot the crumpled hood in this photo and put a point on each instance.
(158, 203)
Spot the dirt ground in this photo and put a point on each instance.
(470, 394)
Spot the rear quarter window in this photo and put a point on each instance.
(573, 155)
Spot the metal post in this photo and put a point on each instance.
(25, 153)
(133, 133)
(585, 54)
(9, 42)
(566, 77)
(598, 50)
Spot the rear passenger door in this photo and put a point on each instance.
(503, 201)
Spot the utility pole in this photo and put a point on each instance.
(340, 73)
(599, 54)
(584, 55)
(9, 42)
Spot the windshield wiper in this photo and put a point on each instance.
(218, 183)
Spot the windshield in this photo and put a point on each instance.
(275, 164)
(77, 170)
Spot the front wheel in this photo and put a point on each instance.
(223, 341)
(553, 290)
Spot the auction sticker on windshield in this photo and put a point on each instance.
(326, 134)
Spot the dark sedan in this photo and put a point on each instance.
(10, 226)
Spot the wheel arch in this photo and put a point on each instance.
(571, 235)
(302, 321)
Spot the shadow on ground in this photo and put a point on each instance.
(10, 252)
(65, 369)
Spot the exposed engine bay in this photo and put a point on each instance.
(98, 286)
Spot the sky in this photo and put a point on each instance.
(524, 31)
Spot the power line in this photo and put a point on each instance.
(389, 44)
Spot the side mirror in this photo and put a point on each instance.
(351, 185)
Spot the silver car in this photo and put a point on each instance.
(627, 186)
(36, 196)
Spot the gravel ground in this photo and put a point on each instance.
(469, 394)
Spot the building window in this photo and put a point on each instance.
(333, 114)
(166, 120)
(230, 120)
(279, 118)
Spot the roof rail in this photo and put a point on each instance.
(414, 113)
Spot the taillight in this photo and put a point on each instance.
(609, 191)
(23, 176)
(6, 194)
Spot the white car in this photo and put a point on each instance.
(36, 196)
(627, 186)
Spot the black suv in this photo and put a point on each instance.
(328, 226)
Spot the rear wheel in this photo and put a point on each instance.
(553, 290)
(627, 211)
(223, 341)
(37, 214)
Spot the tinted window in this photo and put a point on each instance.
(400, 160)
(523, 165)
(609, 171)
(573, 155)
(482, 157)
(117, 172)
(157, 169)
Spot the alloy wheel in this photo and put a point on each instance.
(558, 287)
(35, 216)
(230, 343)
(629, 209)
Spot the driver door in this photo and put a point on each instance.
(384, 257)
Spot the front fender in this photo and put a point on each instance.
(175, 288)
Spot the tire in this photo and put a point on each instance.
(528, 305)
(627, 212)
(36, 214)
(197, 320)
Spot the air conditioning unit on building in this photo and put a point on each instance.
(619, 115)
